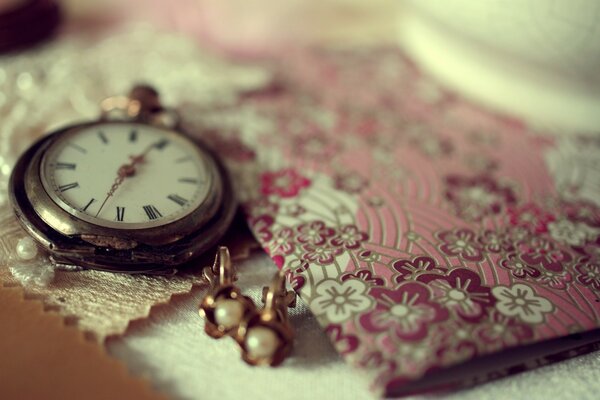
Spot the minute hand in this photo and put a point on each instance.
(124, 171)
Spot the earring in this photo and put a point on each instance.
(266, 336)
(224, 307)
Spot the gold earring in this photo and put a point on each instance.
(266, 336)
(224, 307)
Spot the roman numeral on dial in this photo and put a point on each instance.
(68, 186)
(121, 213)
(103, 137)
(88, 204)
(162, 144)
(152, 212)
(133, 135)
(177, 199)
(188, 180)
(63, 165)
(76, 147)
(183, 159)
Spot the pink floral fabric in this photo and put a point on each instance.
(421, 230)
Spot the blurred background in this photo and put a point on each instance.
(535, 59)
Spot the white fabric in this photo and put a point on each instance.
(172, 350)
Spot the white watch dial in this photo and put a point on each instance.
(126, 175)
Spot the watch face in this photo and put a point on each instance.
(126, 175)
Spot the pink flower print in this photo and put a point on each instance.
(278, 259)
(588, 273)
(499, 331)
(379, 365)
(352, 182)
(369, 256)
(431, 145)
(282, 242)
(349, 236)
(321, 254)
(522, 302)
(337, 302)
(517, 267)
(262, 227)
(409, 269)
(405, 312)
(543, 252)
(363, 275)
(344, 343)
(476, 197)
(314, 146)
(284, 183)
(583, 211)
(574, 234)
(296, 281)
(461, 243)
(314, 232)
(556, 280)
(531, 217)
(592, 249)
(456, 341)
(518, 235)
(293, 210)
(494, 241)
(462, 290)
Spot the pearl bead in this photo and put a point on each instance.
(26, 248)
(228, 313)
(261, 342)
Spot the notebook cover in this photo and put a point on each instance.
(422, 231)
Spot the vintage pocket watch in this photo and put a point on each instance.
(129, 192)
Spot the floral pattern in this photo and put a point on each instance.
(338, 301)
(477, 197)
(571, 233)
(520, 301)
(315, 233)
(583, 211)
(283, 183)
(531, 217)
(405, 311)
(495, 242)
(545, 253)
(364, 275)
(588, 273)
(283, 242)
(460, 290)
(422, 232)
(262, 227)
(409, 269)
(460, 243)
(517, 267)
(501, 330)
(350, 237)
(344, 343)
(556, 280)
(352, 183)
(322, 255)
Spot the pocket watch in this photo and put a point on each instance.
(129, 192)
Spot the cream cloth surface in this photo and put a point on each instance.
(171, 349)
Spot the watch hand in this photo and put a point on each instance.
(124, 171)
(118, 180)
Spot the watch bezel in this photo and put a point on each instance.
(75, 241)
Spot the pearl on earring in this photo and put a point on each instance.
(228, 313)
(261, 342)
